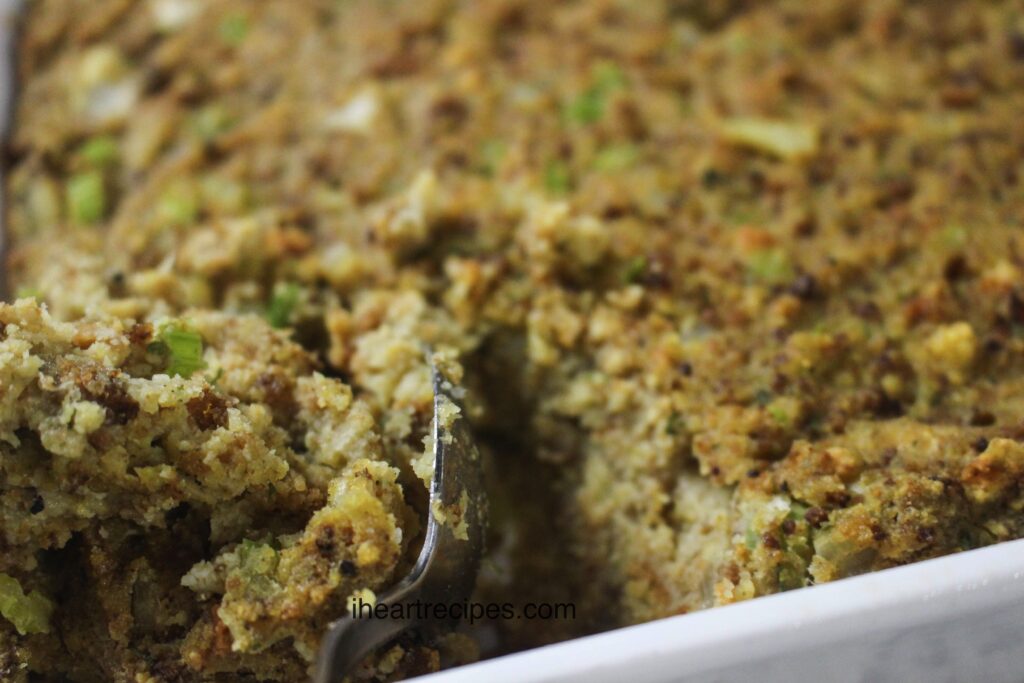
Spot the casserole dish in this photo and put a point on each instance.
(957, 618)
(666, 431)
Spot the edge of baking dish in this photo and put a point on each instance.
(953, 618)
(8, 18)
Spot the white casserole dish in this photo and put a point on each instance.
(956, 618)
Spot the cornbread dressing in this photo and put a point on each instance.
(734, 289)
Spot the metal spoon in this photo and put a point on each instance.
(446, 570)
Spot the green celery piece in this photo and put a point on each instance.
(86, 198)
(28, 613)
(779, 415)
(282, 304)
(184, 349)
(635, 270)
(770, 265)
(100, 150)
(616, 158)
(589, 106)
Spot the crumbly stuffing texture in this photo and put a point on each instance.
(221, 520)
(737, 288)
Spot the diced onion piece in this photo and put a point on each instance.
(173, 14)
(357, 116)
(112, 103)
(103, 89)
(100, 64)
(786, 140)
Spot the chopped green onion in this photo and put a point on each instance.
(635, 270)
(184, 349)
(100, 150)
(86, 199)
(556, 177)
(233, 29)
(282, 304)
(28, 613)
